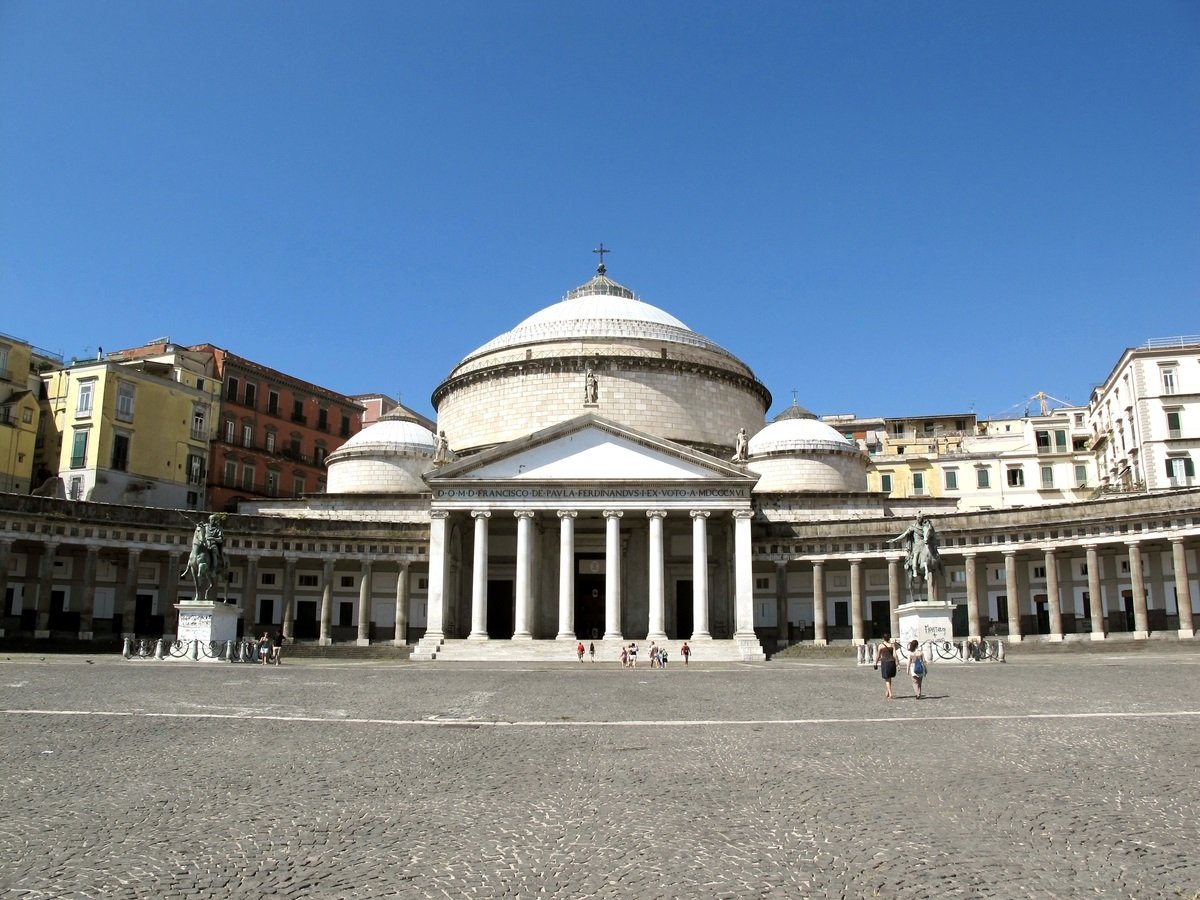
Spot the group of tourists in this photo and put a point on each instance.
(269, 648)
(659, 656)
(885, 662)
(591, 651)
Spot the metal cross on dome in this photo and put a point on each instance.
(600, 250)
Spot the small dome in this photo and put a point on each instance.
(784, 435)
(395, 432)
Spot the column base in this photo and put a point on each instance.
(43, 635)
(399, 642)
(1098, 635)
(656, 636)
(697, 636)
(324, 642)
(1183, 633)
(1055, 639)
(820, 642)
(1141, 635)
(522, 636)
(363, 642)
(617, 636)
(1014, 638)
(477, 636)
(566, 636)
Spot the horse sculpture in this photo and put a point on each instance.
(921, 553)
(206, 564)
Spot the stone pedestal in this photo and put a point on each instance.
(206, 621)
(925, 622)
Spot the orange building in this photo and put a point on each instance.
(274, 432)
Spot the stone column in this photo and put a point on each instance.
(1052, 596)
(1095, 595)
(289, 601)
(700, 574)
(1014, 599)
(45, 581)
(566, 574)
(87, 605)
(437, 575)
(479, 573)
(974, 626)
(5, 561)
(893, 564)
(250, 595)
(783, 635)
(365, 590)
(820, 630)
(1183, 588)
(743, 568)
(326, 603)
(400, 638)
(612, 575)
(658, 610)
(856, 603)
(1137, 584)
(170, 593)
(129, 593)
(521, 630)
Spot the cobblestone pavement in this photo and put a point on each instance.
(1052, 776)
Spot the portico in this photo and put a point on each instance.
(657, 534)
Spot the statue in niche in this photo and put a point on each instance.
(740, 445)
(591, 388)
(441, 449)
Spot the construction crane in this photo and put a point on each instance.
(1044, 400)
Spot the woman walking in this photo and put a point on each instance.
(885, 662)
(917, 667)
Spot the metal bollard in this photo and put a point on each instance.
(158, 649)
(125, 652)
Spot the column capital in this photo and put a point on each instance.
(613, 513)
(819, 562)
(656, 513)
(524, 513)
(1133, 542)
(1009, 553)
(568, 513)
(481, 514)
(699, 513)
(743, 514)
(439, 514)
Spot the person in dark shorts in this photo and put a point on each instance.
(885, 662)
(277, 645)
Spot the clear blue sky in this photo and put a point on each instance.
(897, 208)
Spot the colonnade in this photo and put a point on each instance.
(614, 626)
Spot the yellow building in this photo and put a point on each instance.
(133, 432)
(20, 414)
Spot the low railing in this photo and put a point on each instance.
(227, 651)
(940, 651)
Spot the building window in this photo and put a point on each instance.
(307, 581)
(230, 431)
(918, 484)
(270, 441)
(4, 361)
(79, 444)
(982, 479)
(297, 485)
(125, 401)
(1039, 573)
(193, 499)
(83, 402)
(298, 411)
(1080, 475)
(199, 422)
(232, 387)
(273, 402)
(251, 395)
(230, 473)
(885, 482)
(272, 484)
(247, 435)
(345, 425)
(267, 579)
(75, 489)
(1060, 440)
(1047, 477)
(323, 419)
(1043, 441)
(1016, 477)
(120, 451)
(195, 469)
(248, 478)
(1180, 469)
(1174, 424)
(1168, 379)
(951, 480)
(319, 454)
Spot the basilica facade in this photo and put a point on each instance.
(603, 473)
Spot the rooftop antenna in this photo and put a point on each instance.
(600, 270)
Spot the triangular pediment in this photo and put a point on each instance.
(589, 448)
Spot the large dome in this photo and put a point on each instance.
(388, 456)
(603, 351)
(799, 453)
(601, 308)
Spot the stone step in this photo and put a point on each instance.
(305, 650)
(564, 651)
